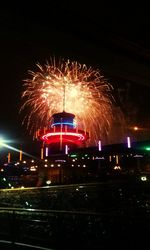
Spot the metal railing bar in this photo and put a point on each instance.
(24, 245)
(54, 211)
(11, 209)
(31, 246)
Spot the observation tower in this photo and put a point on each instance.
(63, 132)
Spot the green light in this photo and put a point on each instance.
(148, 148)
(73, 155)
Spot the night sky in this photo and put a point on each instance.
(114, 39)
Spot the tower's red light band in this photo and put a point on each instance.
(80, 137)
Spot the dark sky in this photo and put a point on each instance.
(114, 39)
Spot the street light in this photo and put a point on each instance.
(135, 128)
(4, 143)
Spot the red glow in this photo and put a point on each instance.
(66, 136)
(63, 135)
(78, 135)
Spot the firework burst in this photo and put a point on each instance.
(71, 87)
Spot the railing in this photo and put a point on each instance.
(70, 230)
(116, 216)
(51, 229)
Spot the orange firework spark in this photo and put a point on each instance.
(71, 87)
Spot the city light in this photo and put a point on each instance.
(148, 148)
(143, 178)
(3, 141)
(99, 145)
(128, 142)
(3, 144)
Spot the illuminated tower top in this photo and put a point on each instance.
(63, 119)
(62, 131)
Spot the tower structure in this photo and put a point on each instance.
(63, 131)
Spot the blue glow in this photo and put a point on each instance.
(63, 123)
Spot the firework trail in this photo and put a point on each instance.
(71, 87)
